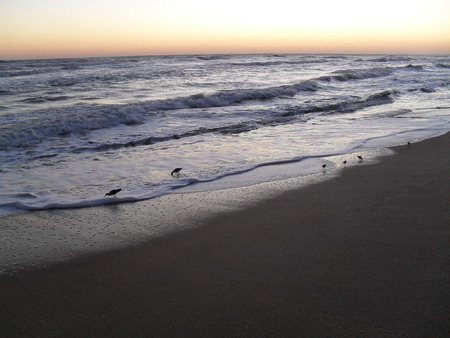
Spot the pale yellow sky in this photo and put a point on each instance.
(72, 28)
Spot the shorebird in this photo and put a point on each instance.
(324, 166)
(176, 171)
(360, 157)
(345, 162)
(113, 192)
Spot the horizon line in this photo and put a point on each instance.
(216, 53)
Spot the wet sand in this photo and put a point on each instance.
(364, 254)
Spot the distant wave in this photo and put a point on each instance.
(7, 72)
(43, 99)
(358, 74)
(276, 63)
(391, 58)
(414, 67)
(211, 57)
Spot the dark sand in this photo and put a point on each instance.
(365, 254)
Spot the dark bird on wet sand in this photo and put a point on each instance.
(324, 166)
(345, 162)
(360, 157)
(113, 192)
(176, 171)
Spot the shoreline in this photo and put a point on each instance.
(362, 254)
(40, 238)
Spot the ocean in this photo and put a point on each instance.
(71, 130)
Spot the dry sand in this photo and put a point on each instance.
(364, 254)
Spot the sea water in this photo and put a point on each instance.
(73, 129)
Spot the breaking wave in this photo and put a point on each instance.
(275, 118)
(34, 127)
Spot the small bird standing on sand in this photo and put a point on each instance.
(360, 157)
(113, 192)
(345, 162)
(324, 166)
(176, 171)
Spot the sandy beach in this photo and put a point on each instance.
(365, 254)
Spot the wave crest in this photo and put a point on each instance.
(36, 126)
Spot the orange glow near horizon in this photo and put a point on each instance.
(51, 28)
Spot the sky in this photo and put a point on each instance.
(81, 28)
